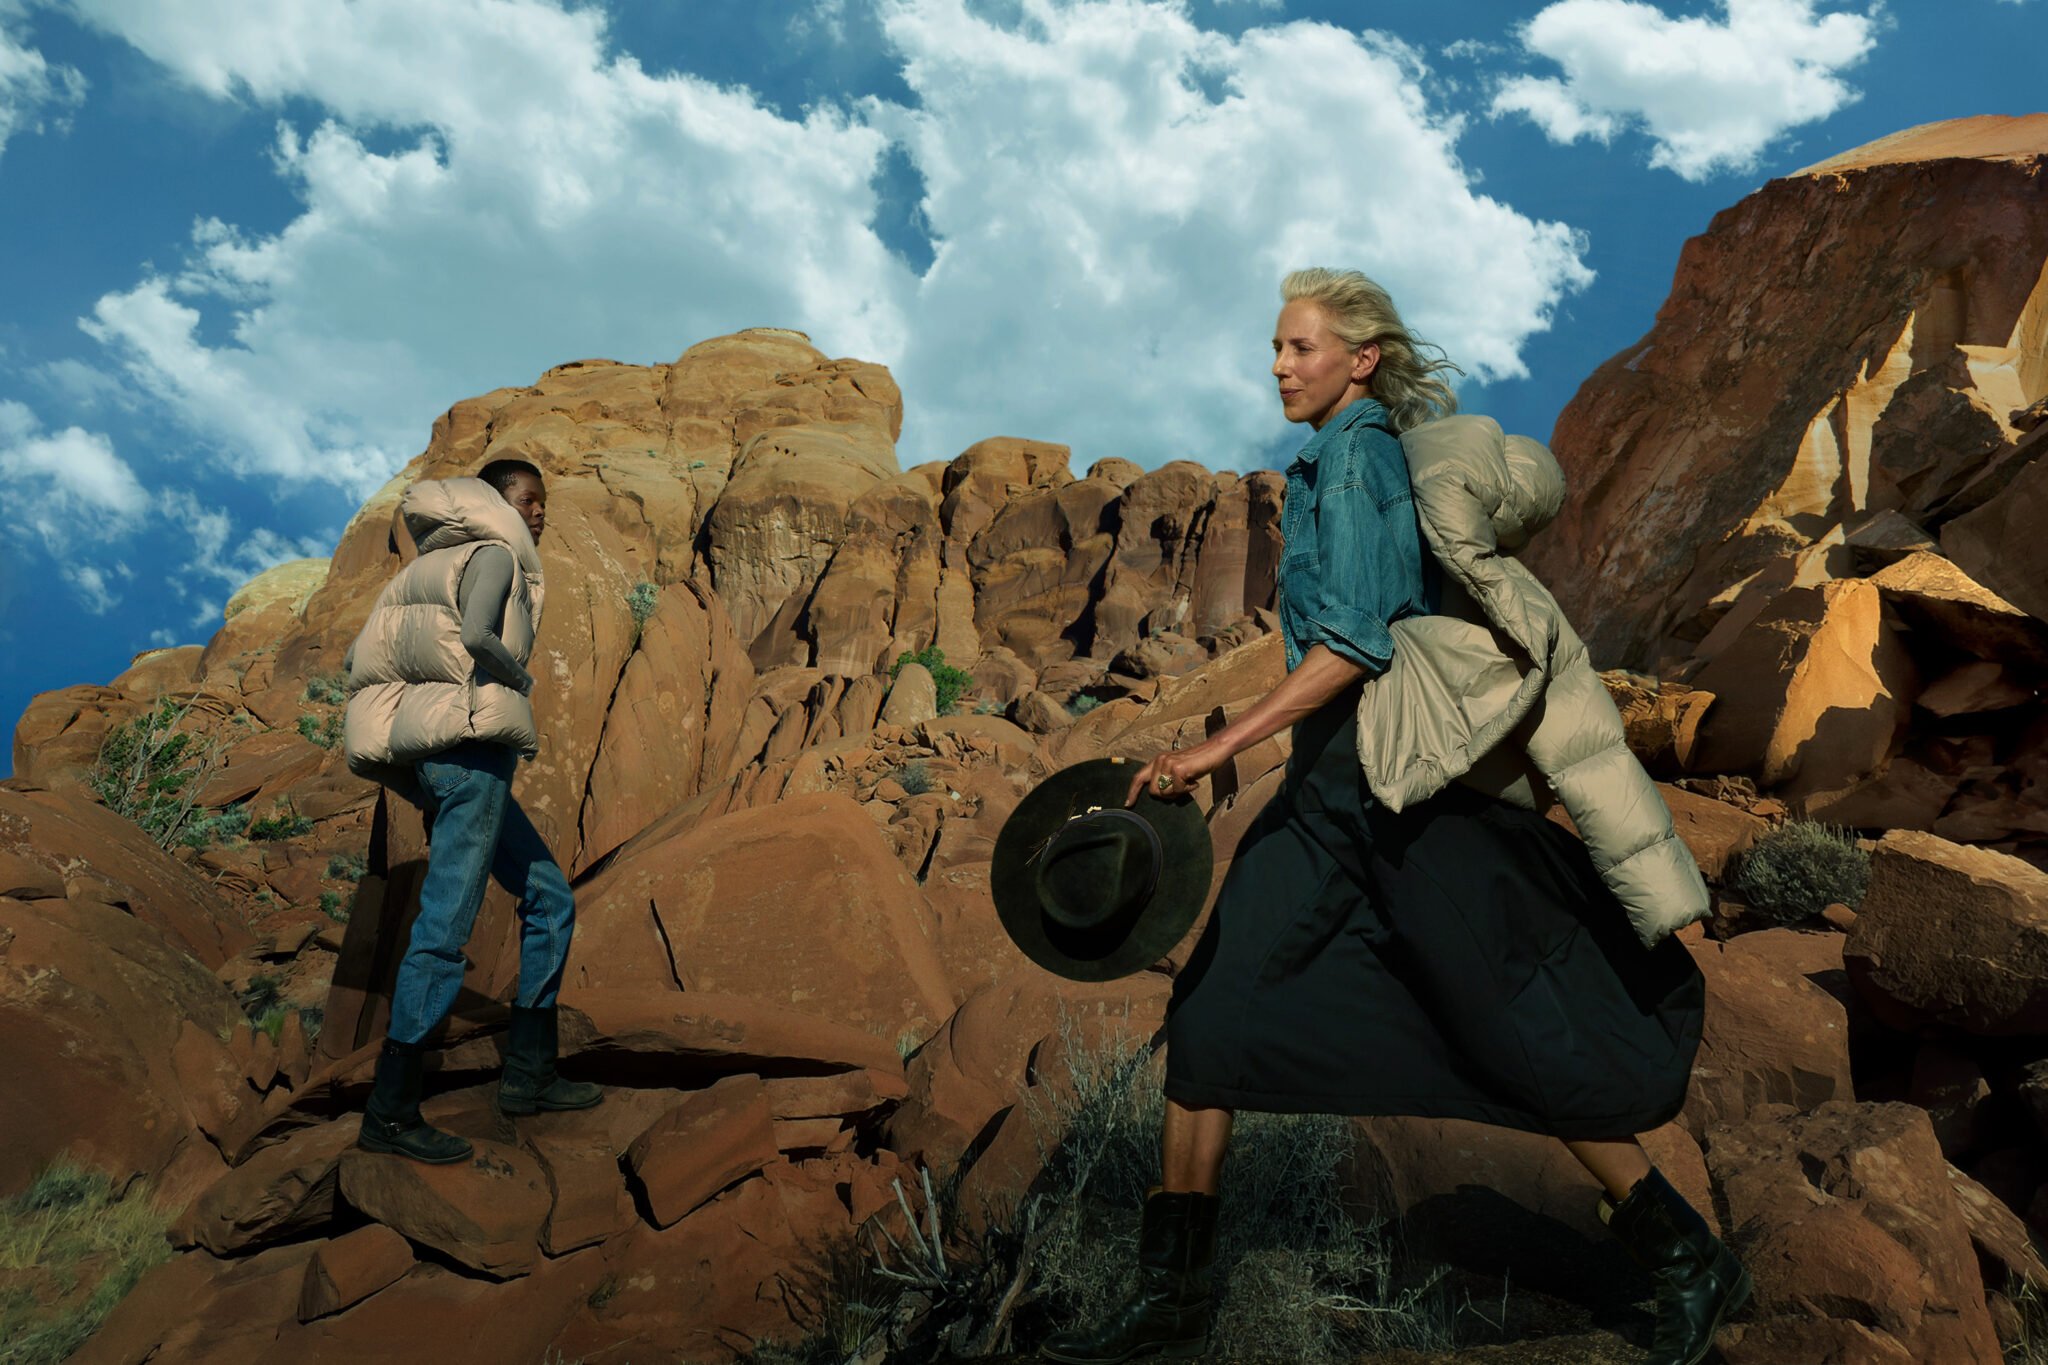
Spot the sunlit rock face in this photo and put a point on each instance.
(1862, 337)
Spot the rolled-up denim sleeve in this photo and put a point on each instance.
(1371, 559)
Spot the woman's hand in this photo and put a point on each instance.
(1175, 772)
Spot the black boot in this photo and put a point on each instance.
(530, 1083)
(391, 1120)
(1170, 1312)
(1699, 1282)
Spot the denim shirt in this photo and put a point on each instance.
(1353, 561)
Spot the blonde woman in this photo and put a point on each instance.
(1460, 958)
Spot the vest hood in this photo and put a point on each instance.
(442, 513)
(1515, 482)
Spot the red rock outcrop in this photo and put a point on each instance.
(1815, 334)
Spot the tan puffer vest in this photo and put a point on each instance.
(413, 689)
(1496, 690)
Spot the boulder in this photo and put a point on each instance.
(1714, 831)
(86, 850)
(1772, 1034)
(1951, 1087)
(1854, 1236)
(1939, 600)
(2007, 1254)
(1811, 695)
(802, 902)
(704, 1144)
(971, 1070)
(2000, 544)
(1953, 936)
(913, 697)
(282, 1192)
(112, 1049)
(485, 1212)
(345, 1271)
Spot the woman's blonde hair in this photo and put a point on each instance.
(1359, 312)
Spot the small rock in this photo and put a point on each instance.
(1838, 916)
(352, 1267)
(704, 1144)
(486, 1212)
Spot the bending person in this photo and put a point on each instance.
(438, 709)
(1462, 958)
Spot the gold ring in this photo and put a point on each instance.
(1165, 781)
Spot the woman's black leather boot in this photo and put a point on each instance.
(1170, 1312)
(1699, 1282)
(530, 1084)
(391, 1120)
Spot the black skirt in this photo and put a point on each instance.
(1459, 960)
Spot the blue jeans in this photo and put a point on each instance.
(478, 830)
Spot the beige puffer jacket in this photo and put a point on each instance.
(413, 689)
(1496, 690)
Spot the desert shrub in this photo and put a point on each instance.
(914, 777)
(311, 1017)
(1800, 868)
(216, 827)
(2029, 1344)
(641, 601)
(349, 866)
(67, 1225)
(261, 995)
(330, 906)
(1298, 1278)
(150, 768)
(283, 823)
(324, 731)
(328, 689)
(952, 683)
(1082, 703)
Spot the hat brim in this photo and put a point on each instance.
(1142, 935)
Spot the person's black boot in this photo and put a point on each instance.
(1170, 1311)
(1699, 1282)
(391, 1120)
(530, 1084)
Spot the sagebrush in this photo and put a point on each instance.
(1799, 869)
(151, 767)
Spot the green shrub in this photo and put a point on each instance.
(260, 996)
(216, 828)
(311, 1017)
(1799, 869)
(283, 823)
(1082, 703)
(330, 906)
(642, 601)
(328, 689)
(68, 1226)
(952, 683)
(150, 769)
(325, 731)
(348, 866)
(914, 777)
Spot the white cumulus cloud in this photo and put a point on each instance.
(488, 187)
(71, 493)
(1711, 93)
(30, 86)
(1116, 193)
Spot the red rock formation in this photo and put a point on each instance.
(1847, 341)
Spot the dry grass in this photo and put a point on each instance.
(71, 1247)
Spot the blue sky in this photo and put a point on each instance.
(249, 251)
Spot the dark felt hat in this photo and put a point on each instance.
(1093, 891)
